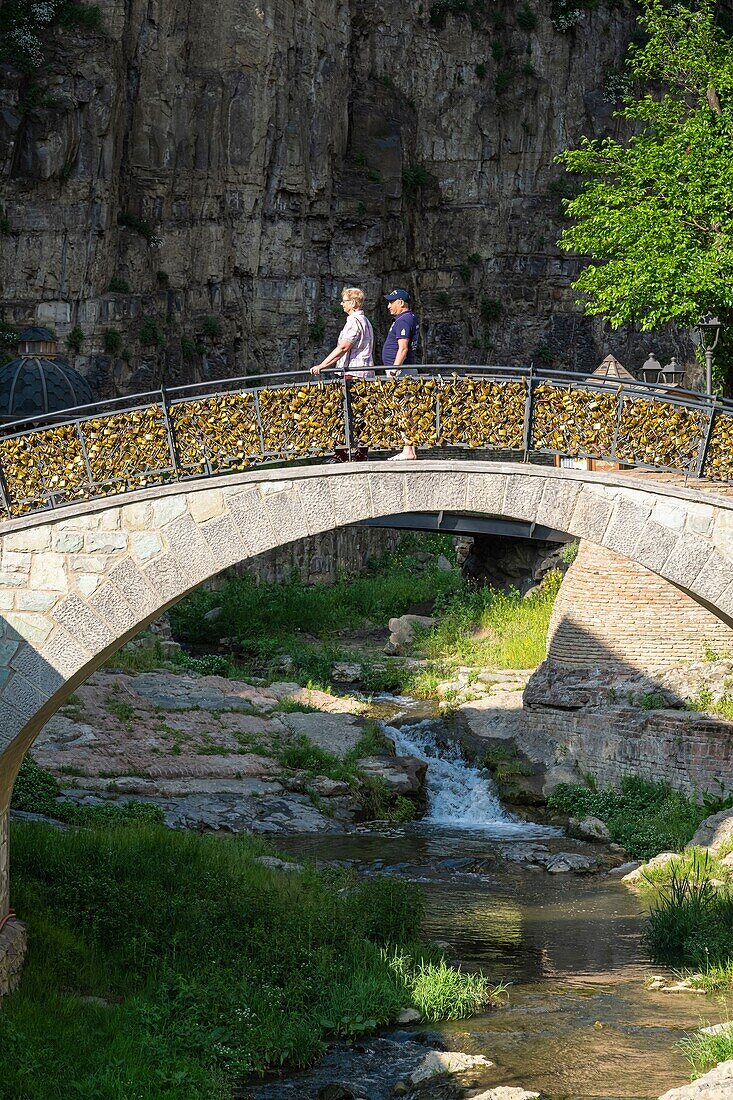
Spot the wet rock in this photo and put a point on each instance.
(624, 869)
(335, 1092)
(403, 774)
(438, 1062)
(444, 565)
(714, 832)
(637, 875)
(715, 1085)
(275, 864)
(402, 632)
(718, 1029)
(570, 861)
(346, 672)
(329, 788)
(408, 1016)
(590, 828)
(213, 615)
(506, 1092)
(337, 733)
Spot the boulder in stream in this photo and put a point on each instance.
(402, 632)
(506, 1092)
(715, 1085)
(437, 1062)
(589, 828)
(402, 774)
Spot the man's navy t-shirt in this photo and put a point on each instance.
(404, 327)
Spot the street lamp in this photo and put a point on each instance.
(709, 329)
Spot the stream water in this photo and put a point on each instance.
(578, 1023)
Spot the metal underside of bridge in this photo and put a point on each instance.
(459, 523)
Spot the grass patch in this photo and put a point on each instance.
(704, 701)
(704, 1052)
(212, 966)
(644, 817)
(483, 627)
(38, 792)
(691, 920)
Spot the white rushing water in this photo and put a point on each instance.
(458, 793)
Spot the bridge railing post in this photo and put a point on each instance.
(348, 422)
(702, 454)
(172, 446)
(4, 494)
(527, 426)
(617, 426)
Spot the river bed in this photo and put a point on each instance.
(577, 1022)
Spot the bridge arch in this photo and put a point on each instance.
(76, 583)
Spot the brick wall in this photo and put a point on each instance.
(610, 609)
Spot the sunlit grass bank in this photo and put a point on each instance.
(171, 965)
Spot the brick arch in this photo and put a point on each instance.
(77, 583)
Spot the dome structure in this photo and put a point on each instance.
(39, 381)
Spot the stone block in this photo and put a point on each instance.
(26, 600)
(654, 546)
(144, 545)
(166, 576)
(87, 583)
(106, 542)
(116, 612)
(31, 625)
(387, 490)
(687, 560)
(206, 504)
(700, 518)
(253, 521)
(186, 541)
(591, 515)
(625, 527)
(137, 517)
(166, 510)
(670, 513)
(23, 696)
(109, 520)
(68, 542)
(13, 580)
(285, 510)
(48, 572)
(90, 563)
(352, 499)
(523, 495)
(64, 653)
(485, 493)
(13, 561)
(7, 651)
(558, 502)
(714, 577)
(34, 538)
(224, 541)
(78, 523)
(83, 624)
(7, 599)
(317, 504)
(434, 491)
(36, 668)
(131, 584)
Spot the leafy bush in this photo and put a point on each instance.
(150, 332)
(211, 328)
(527, 18)
(139, 225)
(317, 331)
(644, 817)
(691, 921)
(415, 177)
(75, 339)
(213, 966)
(118, 285)
(490, 309)
(112, 341)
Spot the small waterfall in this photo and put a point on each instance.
(458, 793)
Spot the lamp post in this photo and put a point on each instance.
(709, 329)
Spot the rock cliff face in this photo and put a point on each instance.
(228, 167)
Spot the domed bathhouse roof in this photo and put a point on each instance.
(39, 381)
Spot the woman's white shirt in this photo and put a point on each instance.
(360, 334)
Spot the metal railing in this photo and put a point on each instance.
(211, 428)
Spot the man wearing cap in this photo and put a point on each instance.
(399, 352)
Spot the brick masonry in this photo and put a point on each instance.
(76, 583)
(610, 608)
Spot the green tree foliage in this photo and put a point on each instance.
(655, 212)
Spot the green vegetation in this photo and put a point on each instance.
(150, 332)
(269, 620)
(655, 212)
(139, 225)
(490, 310)
(704, 701)
(209, 966)
(112, 341)
(25, 27)
(317, 331)
(644, 817)
(118, 285)
(37, 792)
(527, 18)
(75, 339)
(704, 1052)
(479, 626)
(481, 71)
(211, 328)
(415, 179)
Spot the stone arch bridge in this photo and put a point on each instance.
(78, 582)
